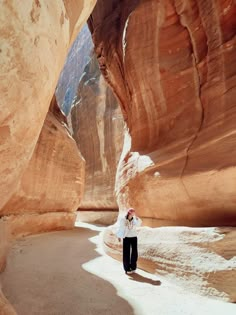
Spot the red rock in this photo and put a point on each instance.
(28, 224)
(35, 38)
(54, 178)
(172, 66)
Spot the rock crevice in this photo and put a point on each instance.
(196, 62)
(178, 61)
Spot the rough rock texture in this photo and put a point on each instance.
(78, 57)
(49, 191)
(172, 66)
(203, 260)
(54, 178)
(98, 129)
(34, 40)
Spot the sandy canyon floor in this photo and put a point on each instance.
(67, 273)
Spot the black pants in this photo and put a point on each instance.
(130, 253)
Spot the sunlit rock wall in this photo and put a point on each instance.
(172, 65)
(54, 178)
(34, 40)
(35, 37)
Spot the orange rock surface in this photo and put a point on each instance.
(172, 65)
(98, 129)
(41, 169)
(34, 39)
(54, 178)
(4, 241)
(5, 306)
(49, 191)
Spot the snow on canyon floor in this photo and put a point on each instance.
(67, 273)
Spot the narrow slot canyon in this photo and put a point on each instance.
(107, 106)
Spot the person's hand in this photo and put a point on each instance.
(119, 239)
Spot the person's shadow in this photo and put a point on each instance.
(137, 277)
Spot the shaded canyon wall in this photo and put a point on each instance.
(172, 65)
(98, 129)
(53, 180)
(78, 56)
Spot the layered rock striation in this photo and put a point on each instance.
(35, 38)
(54, 178)
(42, 173)
(50, 188)
(172, 65)
(98, 129)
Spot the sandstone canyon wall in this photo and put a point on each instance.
(39, 159)
(36, 152)
(49, 191)
(172, 65)
(98, 129)
(52, 182)
(78, 56)
(35, 38)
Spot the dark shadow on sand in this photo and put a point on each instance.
(137, 277)
(44, 276)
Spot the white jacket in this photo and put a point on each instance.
(128, 228)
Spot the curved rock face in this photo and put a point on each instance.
(172, 66)
(35, 37)
(98, 129)
(54, 178)
(50, 189)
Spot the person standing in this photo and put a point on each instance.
(127, 231)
